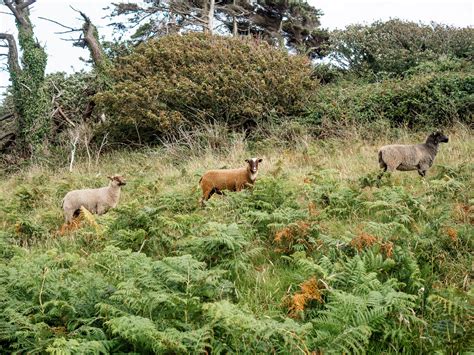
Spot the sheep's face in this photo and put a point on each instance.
(117, 180)
(253, 164)
(437, 137)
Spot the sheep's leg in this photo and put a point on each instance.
(219, 192)
(68, 216)
(383, 172)
(422, 173)
(249, 185)
(389, 169)
(206, 195)
(100, 209)
(239, 187)
(422, 168)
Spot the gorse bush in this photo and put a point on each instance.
(192, 79)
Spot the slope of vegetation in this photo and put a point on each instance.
(319, 256)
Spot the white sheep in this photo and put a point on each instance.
(411, 157)
(214, 181)
(97, 201)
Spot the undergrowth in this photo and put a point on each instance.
(320, 256)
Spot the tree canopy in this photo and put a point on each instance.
(294, 24)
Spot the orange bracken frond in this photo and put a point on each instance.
(309, 291)
(312, 210)
(363, 241)
(73, 225)
(452, 233)
(295, 233)
(387, 249)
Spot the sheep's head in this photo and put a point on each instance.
(437, 137)
(253, 164)
(117, 180)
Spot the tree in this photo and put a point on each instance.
(285, 23)
(97, 79)
(395, 46)
(291, 23)
(156, 18)
(32, 107)
(89, 38)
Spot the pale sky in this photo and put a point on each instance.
(337, 14)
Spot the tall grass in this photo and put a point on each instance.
(319, 256)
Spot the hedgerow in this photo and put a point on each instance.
(434, 100)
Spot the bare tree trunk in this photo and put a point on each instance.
(210, 18)
(205, 16)
(280, 34)
(91, 40)
(234, 22)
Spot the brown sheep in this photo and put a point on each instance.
(214, 181)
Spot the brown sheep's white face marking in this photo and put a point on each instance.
(253, 166)
(117, 180)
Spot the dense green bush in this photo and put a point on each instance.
(392, 47)
(71, 96)
(191, 79)
(435, 99)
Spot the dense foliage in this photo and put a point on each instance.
(294, 24)
(393, 47)
(395, 72)
(193, 79)
(434, 94)
(312, 260)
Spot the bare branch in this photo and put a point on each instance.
(59, 23)
(25, 4)
(73, 152)
(26, 87)
(20, 10)
(18, 16)
(64, 32)
(13, 62)
(198, 19)
(63, 115)
(70, 40)
(89, 40)
(7, 116)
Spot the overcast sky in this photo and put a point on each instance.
(62, 56)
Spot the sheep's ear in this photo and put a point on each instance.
(260, 160)
(247, 161)
(110, 177)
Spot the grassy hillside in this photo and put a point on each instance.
(320, 256)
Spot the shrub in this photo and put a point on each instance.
(71, 95)
(394, 46)
(195, 78)
(436, 99)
